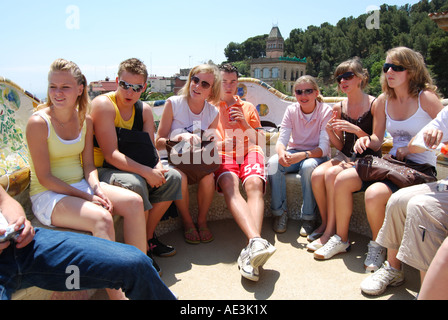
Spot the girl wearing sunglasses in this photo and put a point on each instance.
(303, 145)
(352, 119)
(409, 101)
(185, 117)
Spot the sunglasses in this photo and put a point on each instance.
(204, 84)
(346, 76)
(306, 92)
(394, 67)
(127, 86)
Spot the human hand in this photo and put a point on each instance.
(433, 138)
(402, 153)
(285, 159)
(156, 177)
(362, 144)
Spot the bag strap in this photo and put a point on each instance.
(138, 118)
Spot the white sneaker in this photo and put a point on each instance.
(315, 245)
(375, 257)
(333, 247)
(377, 282)
(280, 223)
(260, 251)
(246, 269)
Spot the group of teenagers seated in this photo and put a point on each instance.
(83, 173)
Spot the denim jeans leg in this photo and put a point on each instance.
(277, 179)
(309, 205)
(98, 263)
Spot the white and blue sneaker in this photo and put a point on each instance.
(333, 247)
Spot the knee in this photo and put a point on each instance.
(377, 195)
(175, 177)
(308, 168)
(104, 222)
(135, 203)
(228, 182)
(273, 166)
(318, 175)
(331, 174)
(208, 180)
(254, 184)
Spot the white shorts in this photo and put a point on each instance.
(44, 202)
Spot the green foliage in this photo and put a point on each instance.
(326, 46)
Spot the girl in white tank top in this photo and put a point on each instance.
(403, 131)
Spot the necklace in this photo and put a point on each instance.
(53, 116)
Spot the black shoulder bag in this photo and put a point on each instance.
(136, 143)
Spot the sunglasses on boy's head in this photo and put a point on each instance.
(394, 67)
(204, 84)
(127, 86)
(346, 76)
(306, 91)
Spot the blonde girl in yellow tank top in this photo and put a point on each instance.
(80, 202)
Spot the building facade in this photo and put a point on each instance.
(275, 67)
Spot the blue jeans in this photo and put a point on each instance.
(277, 180)
(101, 264)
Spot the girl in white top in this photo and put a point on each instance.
(408, 103)
(182, 119)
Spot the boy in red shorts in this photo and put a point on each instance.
(242, 159)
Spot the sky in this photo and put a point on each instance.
(166, 35)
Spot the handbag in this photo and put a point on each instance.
(136, 143)
(402, 174)
(196, 161)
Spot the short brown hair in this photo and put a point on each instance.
(229, 68)
(134, 66)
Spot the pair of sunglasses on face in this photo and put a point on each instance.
(306, 92)
(346, 76)
(127, 86)
(204, 84)
(394, 67)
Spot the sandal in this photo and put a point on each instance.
(205, 235)
(191, 236)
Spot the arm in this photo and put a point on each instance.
(336, 136)
(284, 158)
(103, 116)
(375, 141)
(90, 171)
(432, 135)
(164, 133)
(249, 127)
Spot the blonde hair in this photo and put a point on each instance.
(353, 65)
(83, 100)
(312, 81)
(215, 95)
(419, 77)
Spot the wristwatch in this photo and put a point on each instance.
(307, 155)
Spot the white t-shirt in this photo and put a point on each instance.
(184, 120)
